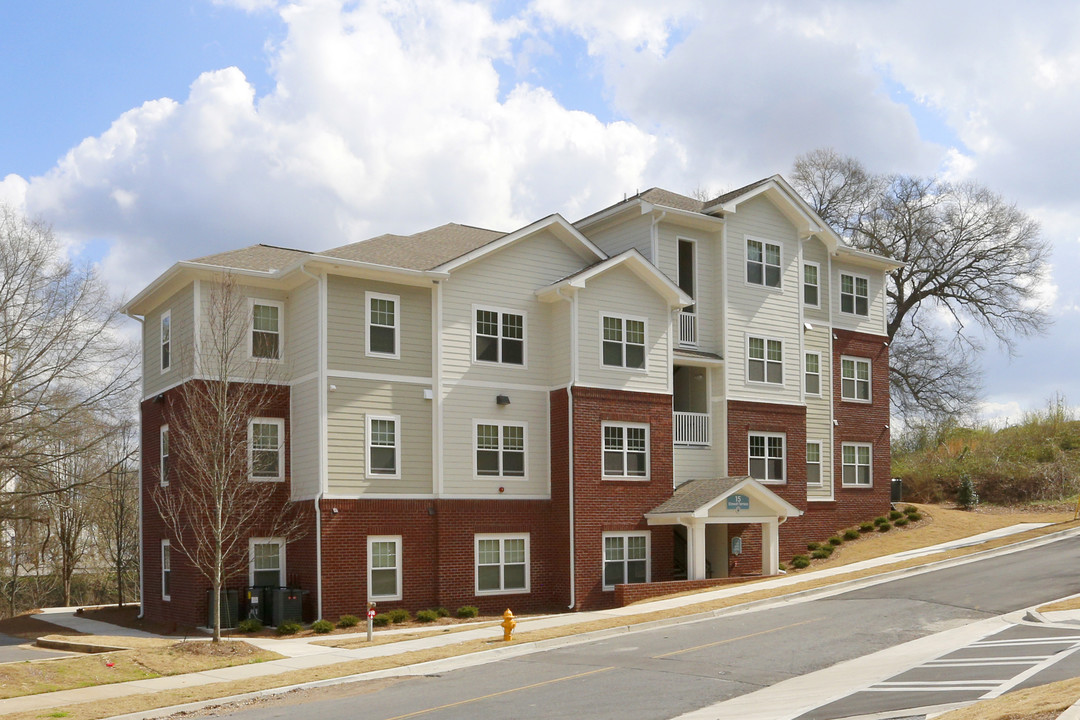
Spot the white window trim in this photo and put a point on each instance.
(502, 563)
(622, 368)
(524, 336)
(697, 288)
(819, 374)
(396, 475)
(166, 544)
(869, 380)
(856, 484)
(627, 534)
(167, 315)
(746, 259)
(820, 463)
(765, 383)
(525, 449)
(396, 539)
(818, 286)
(163, 465)
(840, 294)
(252, 302)
(648, 452)
(767, 435)
(280, 422)
(252, 542)
(368, 297)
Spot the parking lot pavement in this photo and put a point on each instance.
(15, 649)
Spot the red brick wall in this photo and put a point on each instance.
(626, 594)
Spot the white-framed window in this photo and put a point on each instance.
(812, 373)
(813, 463)
(384, 567)
(768, 457)
(266, 562)
(383, 336)
(163, 445)
(764, 360)
(811, 287)
(623, 341)
(688, 270)
(499, 336)
(383, 439)
(854, 294)
(762, 263)
(166, 340)
(266, 443)
(626, 450)
(266, 329)
(857, 464)
(500, 449)
(502, 564)
(166, 570)
(855, 379)
(626, 558)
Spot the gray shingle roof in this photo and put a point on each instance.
(721, 199)
(422, 251)
(659, 196)
(691, 495)
(254, 257)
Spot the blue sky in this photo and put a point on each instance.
(147, 132)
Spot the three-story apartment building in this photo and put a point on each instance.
(667, 391)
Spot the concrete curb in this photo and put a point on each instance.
(1071, 713)
(75, 646)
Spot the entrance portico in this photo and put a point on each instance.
(698, 504)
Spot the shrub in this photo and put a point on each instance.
(911, 510)
(812, 546)
(914, 517)
(322, 626)
(399, 615)
(894, 514)
(442, 612)
(966, 497)
(884, 528)
(866, 527)
(821, 554)
(426, 616)
(881, 520)
(348, 621)
(836, 540)
(289, 627)
(782, 566)
(468, 611)
(851, 534)
(901, 521)
(800, 561)
(380, 620)
(250, 625)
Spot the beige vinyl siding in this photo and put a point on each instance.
(304, 439)
(814, 251)
(463, 405)
(818, 417)
(347, 408)
(620, 292)
(761, 311)
(559, 321)
(347, 324)
(634, 233)
(506, 280)
(302, 329)
(874, 322)
(245, 369)
(181, 305)
(708, 287)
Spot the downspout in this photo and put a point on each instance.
(142, 574)
(570, 439)
(322, 449)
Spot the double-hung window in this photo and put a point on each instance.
(266, 329)
(765, 360)
(500, 336)
(383, 446)
(812, 373)
(163, 468)
(857, 468)
(767, 457)
(813, 463)
(266, 440)
(166, 570)
(384, 567)
(762, 263)
(626, 450)
(267, 562)
(623, 342)
(166, 340)
(811, 284)
(502, 564)
(855, 379)
(854, 295)
(500, 449)
(626, 558)
(382, 324)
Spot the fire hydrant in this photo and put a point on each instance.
(508, 625)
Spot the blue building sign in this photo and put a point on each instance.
(738, 502)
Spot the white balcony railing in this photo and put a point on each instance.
(692, 428)
(688, 329)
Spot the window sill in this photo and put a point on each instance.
(770, 288)
(494, 363)
(502, 478)
(384, 598)
(383, 356)
(772, 482)
(856, 401)
(266, 479)
(621, 478)
(511, 591)
(765, 384)
(857, 487)
(623, 368)
(380, 476)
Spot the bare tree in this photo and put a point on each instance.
(211, 505)
(117, 516)
(973, 264)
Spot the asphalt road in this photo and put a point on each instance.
(667, 672)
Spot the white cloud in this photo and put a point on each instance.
(13, 192)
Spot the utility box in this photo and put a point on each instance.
(897, 493)
(230, 607)
(287, 604)
(260, 604)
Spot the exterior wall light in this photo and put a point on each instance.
(502, 399)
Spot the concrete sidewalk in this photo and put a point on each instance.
(303, 653)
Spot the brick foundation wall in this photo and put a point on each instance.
(627, 594)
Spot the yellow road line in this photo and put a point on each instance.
(730, 640)
(503, 692)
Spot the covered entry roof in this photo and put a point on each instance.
(706, 498)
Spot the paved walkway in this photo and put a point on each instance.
(303, 653)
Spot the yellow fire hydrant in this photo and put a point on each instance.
(508, 625)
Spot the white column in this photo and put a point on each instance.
(770, 547)
(697, 550)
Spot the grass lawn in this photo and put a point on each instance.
(1045, 702)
